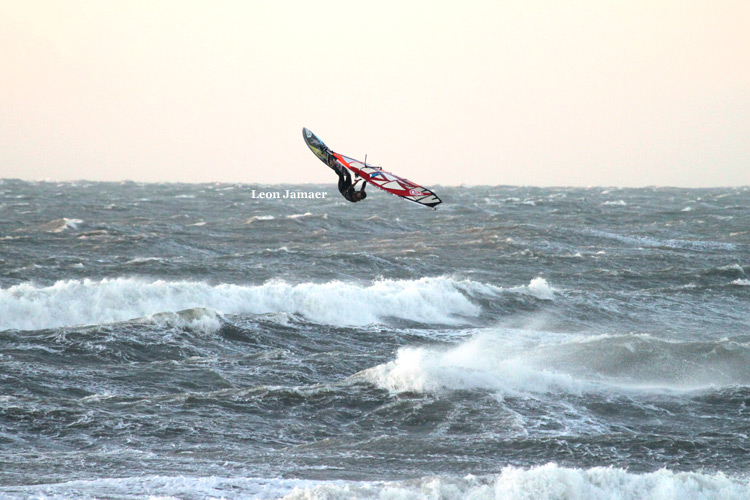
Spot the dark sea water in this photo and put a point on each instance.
(193, 341)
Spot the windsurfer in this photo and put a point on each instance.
(346, 188)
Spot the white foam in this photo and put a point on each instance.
(144, 260)
(160, 487)
(489, 361)
(540, 289)
(199, 320)
(529, 363)
(741, 282)
(259, 218)
(548, 482)
(74, 302)
(61, 225)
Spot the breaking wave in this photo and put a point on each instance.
(198, 319)
(434, 301)
(547, 482)
(513, 362)
(84, 302)
(58, 225)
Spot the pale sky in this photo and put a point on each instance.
(516, 92)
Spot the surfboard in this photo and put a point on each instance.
(317, 146)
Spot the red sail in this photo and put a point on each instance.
(391, 183)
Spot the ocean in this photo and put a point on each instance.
(239, 341)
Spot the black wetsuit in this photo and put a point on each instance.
(346, 188)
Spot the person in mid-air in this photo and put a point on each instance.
(346, 188)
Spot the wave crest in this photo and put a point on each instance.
(514, 362)
(85, 302)
(547, 482)
(198, 319)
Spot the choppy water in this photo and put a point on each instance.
(192, 341)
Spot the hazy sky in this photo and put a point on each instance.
(522, 92)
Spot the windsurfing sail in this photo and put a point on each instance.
(391, 183)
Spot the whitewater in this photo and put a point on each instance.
(196, 341)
